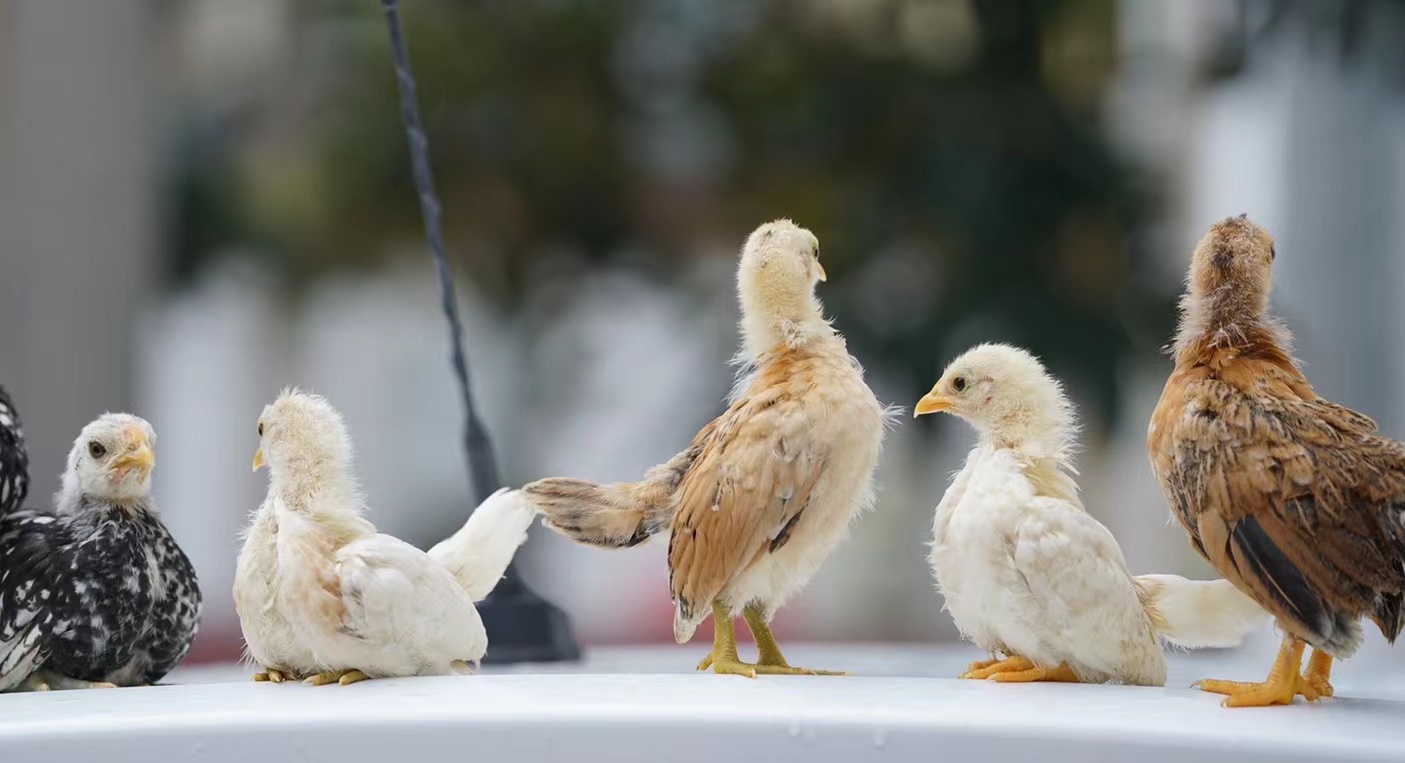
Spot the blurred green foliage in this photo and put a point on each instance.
(946, 152)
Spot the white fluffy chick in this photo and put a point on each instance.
(321, 595)
(1027, 573)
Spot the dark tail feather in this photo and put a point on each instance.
(608, 516)
(620, 515)
(1389, 616)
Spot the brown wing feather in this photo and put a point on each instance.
(1294, 499)
(746, 491)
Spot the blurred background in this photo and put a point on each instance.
(202, 201)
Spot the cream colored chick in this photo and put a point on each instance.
(767, 489)
(320, 594)
(1027, 573)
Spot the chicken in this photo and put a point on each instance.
(766, 490)
(322, 596)
(95, 593)
(14, 459)
(1298, 501)
(1027, 573)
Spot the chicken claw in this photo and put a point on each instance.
(770, 660)
(1061, 674)
(724, 660)
(58, 681)
(275, 675)
(342, 677)
(33, 682)
(1316, 681)
(982, 670)
(1283, 682)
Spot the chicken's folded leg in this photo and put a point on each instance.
(275, 675)
(60, 681)
(1278, 689)
(724, 659)
(1317, 679)
(33, 682)
(769, 659)
(1061, 674)
(986, 668)
(343, 677)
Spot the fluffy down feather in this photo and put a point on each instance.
(95, 592)
(1027, 573)
(320, 593)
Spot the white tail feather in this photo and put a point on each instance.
(1197, 614)
(478, 554)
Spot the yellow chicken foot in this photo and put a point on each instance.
(985, 669)
(1278, 689)
(275, 675)
(59, 681)
(342, 677)
(1061, 674)
(979, 665)
(33, 682)
(1316, 681)
(724, 659)
(769, 659)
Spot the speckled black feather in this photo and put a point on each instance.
(14, 460)
(99, 594)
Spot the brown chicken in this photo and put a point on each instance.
(1298, 501)
(766, 490)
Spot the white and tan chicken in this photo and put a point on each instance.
(1027, 573)
(322, 595)
(766, 490)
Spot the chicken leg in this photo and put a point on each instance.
(343, 677)
(1316, 681)
(724, 659)
(1060, 674)
(275, 675)
(769, 659)
(983, 669)
(1279, 688)
(1016, 669)
(59, 681)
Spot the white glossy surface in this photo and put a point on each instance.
(567, 714)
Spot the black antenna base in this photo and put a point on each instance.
(524, 627)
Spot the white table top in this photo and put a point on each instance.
(641, 705)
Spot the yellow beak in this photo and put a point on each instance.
(142, 459)
(822, 275)
(932, 402)
(258, 459)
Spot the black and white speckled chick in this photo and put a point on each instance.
(14, 461)
(96, 592)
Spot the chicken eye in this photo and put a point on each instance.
(959, 384)
(96, 449)
(1273, 253)
(260, 429)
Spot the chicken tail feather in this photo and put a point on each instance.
(1197, 614)
(620, 515)
(478, 554)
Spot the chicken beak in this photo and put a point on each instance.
(258, 459)
(821, 275)
(932, 402)
(139, 456)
